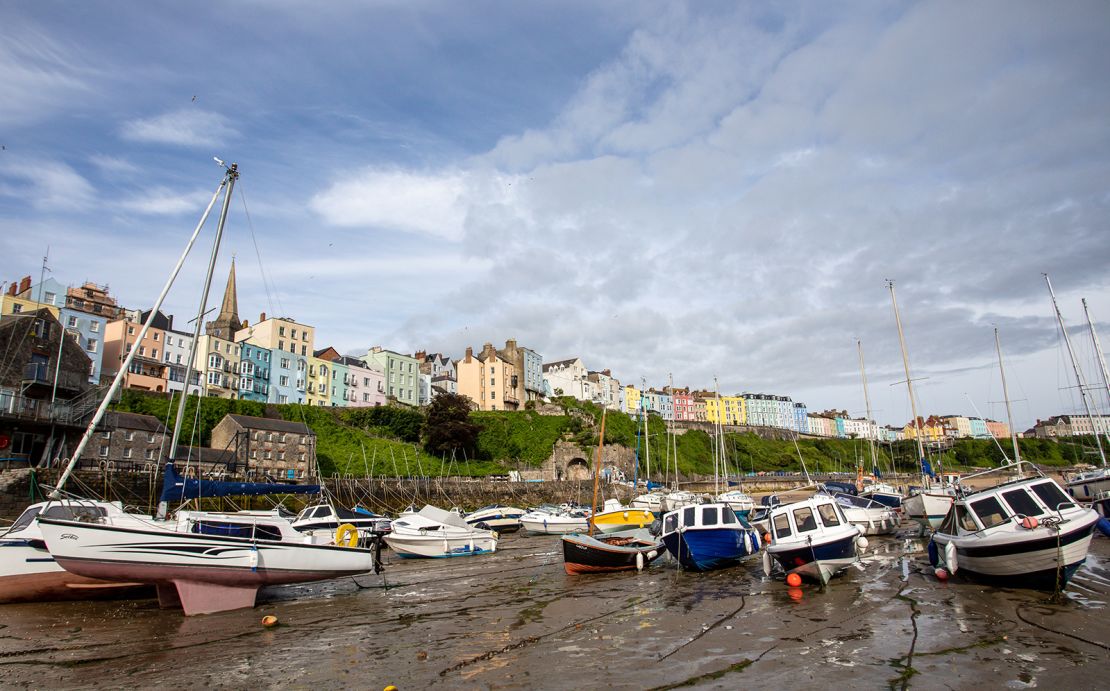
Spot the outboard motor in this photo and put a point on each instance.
(656, 527)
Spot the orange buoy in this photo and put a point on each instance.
(1029, 522)
(269, 620)
(793, 580)
(767, 538)
(941, 574)
(391, 687)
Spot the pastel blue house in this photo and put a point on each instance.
(86, 327)
(801, 418)
(287, 377)
(841, 430)
(979, 428)
(254, 373)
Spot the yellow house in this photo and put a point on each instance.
(728, 410)
(217, 361)
(931, 429)
(631, 399)
(318, 389)
(17, 305)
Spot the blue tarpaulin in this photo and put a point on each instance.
(178, 488)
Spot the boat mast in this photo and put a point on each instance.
(647, 442)
(719, 447)
(1006, 397)
(1101, 359)
(597, 470)
(1078, 372)
(867, 403)
(126, 364)
(230, 177)
(909, 382)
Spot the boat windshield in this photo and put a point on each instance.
(1051, 495)
(728, 517)
(709, 515)
(1022, 502)
(781, 524)
(965, 519)
(670, 523)
(25, 519)
(989, 511)
(828, 514)
(803, 518)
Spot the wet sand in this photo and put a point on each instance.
(515, 620)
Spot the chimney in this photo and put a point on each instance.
(421, 355)
(469, 354)
(606, 372)
(11, 288)
(25, 284)
(262, 317)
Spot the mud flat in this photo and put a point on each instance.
(515, 620)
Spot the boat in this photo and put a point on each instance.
(812, 538)
(557, 521)
(741, 502)
(30, 573)
(1101, 505)
(1025, 533)
(326, 517)
(652, 501)
(871, 517)
(193, 566)
(435, 533)
(615, 517)
(882, 493)
(872, 488)
(613, 550)
(708, 537)
(499, 517)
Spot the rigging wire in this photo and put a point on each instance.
(267, 282)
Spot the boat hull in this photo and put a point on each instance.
(583, 554)
(32, 575)
(623, 519)
(872, 521)
(554, 525)
(928, 508)
(436, 547)
(817, 562)
(706, 549)
(1089, 488)
(1020, 558)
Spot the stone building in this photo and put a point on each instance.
(127, 438)
(277, 448)
(488, 379)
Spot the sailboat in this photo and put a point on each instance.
(740, 501)
(929, 503)
(202, 572)
(622, 550)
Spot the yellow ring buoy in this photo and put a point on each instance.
(346, 535)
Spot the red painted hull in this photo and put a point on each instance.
(62, 585)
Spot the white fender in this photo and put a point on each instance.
(862, 542)
(639, 561)
(950, 557)
(766, 563)
(651, 554)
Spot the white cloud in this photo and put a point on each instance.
(40, 75)
(113, 165)
(161, 201)
(48, 185)
(188, 127)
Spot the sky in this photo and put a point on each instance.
(703, 190)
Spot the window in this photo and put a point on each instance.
(50, 297)
(304, 350)
(215, 361)
(965, 519)
(149, 454)
(17, 308)
(293, 334)
(281, 331)
(94, 326)
(1051, 495)
(129, 435)
(72, 322)
(155, 335)
(709, 515)
(492, 381)
(91, 345)
(285, 363)
(782, 525)
(828, 515)
(304, 335)
(127, 452)
(104, 452)
(492, 395)
(989, 511)
(803, 518)
(284, 381)
(154, 353)
(1022, 503)
(283, 399)
(281, 455)
(131, 331)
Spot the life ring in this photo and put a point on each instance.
(346, 535)
(5, 441)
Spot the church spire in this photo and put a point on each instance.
(227, 323)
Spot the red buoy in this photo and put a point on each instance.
(793, 580)
(941, 574)
(1029, 522)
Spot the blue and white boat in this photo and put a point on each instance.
(708, 536)
(812, 538)
(499, 517)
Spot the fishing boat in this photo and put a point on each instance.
(615, 517)
(499, 517)
(613, 550)
(708, 537)
(435, 533)
(652, 501)
(812, 538)
(29, 573)
(1024, 533)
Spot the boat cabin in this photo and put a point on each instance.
(701, 516)
(990, 508)
(794, 522)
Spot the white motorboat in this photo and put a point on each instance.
(740, 501)
(680, 499)
(329, 518)
(652, 501)
(1024, 533)
(503, 519)
(434, 533)
(29, 573)
(871, 517)
(206, 562)
(559, 522)
(928, 506)
(813, 539)
(1086, 486)
(882, 493)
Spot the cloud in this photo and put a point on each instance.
(191, 128)
(40, 75)
(161, 201)
(113, 165)
(48, 185)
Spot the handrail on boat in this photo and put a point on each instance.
(1013, 465)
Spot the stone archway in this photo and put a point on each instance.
(578, 469)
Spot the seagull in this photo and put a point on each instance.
(194, 97)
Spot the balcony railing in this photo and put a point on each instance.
(42, 374)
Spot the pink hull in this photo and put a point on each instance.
(62, 585)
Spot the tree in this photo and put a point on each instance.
(448, 426)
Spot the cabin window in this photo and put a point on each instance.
(782, 525)
(709, 515)
(1051, 495)
(688, 517)
(803, 518)
(728, 516)
(828, 515)
(25, 519)
(75, 513)
(321, 512)
(989, 511)
(965, 519)
(669, 523)
(1022, 503)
